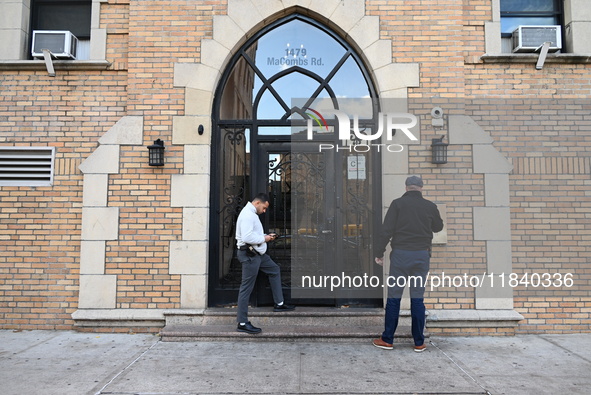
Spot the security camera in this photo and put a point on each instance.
(437, 112)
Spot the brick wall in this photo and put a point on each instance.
(547, 140)
(40, 226)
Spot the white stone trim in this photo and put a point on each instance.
(491, 222)
(98, 291)
(92, 256)
(104, 160)
(100, 222)
(129, 130)
(119, 317)
(188, 257)
(504, 318)
(95, 189)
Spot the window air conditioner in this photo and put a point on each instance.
(531, 38)
(61, 43)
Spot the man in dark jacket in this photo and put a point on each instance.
(408, 226)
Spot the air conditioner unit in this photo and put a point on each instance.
(531, 38)
(61, 43)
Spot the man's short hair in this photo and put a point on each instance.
(261, 197)
(414, 180)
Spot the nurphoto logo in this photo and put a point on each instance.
(387, 124)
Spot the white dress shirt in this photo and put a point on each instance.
(249, 229)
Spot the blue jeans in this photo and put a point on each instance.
(406, 268)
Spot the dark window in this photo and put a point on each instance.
(529, 12)
(62, 15)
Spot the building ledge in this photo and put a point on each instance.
(473, 318)
(559, 58)
(96, 318)
(66, 65)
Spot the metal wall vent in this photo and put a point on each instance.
(26, 166)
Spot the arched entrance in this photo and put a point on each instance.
(325, 202)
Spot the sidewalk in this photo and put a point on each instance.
(46, 362)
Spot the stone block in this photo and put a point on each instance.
(325, 8)
(499, 258)
(492, 37)
(13, 16)
(185, 130)
(492, 223)
(100, 223)
(226, 31)
(440, 238)
(348, 15)
(244, 13)
(188, 257)
(193, 292)
(198, 102)
(496, 190)
(464, 130)
(379, 54)
(98, 44)
(266, 8)
(92, 257)
(197, 159)
(214, 54)
(365, 32)
(104, 160)
(97, 291)
(487, 159)
(398, 75)
(188, 190)
(95, 190)
(495, 303)
(129, 130)
(395, 162)
(578, 34)
(195, 223)
(196, 76)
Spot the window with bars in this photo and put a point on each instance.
(26, 166)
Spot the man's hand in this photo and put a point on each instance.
(380, 261)
(270, 237)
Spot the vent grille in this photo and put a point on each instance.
(26, 166)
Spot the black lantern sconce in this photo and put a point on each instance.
(156, 153)
(438, 151)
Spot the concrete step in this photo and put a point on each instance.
(303, 324)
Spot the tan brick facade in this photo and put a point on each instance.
(166, 58)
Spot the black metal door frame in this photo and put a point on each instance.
(225, 207)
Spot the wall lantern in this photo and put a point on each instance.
(156, 152)
(439, 151)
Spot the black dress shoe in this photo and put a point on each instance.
(284, 307)
(248, 328)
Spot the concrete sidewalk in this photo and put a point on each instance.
(46, 362)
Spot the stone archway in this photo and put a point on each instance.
(200, 81)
